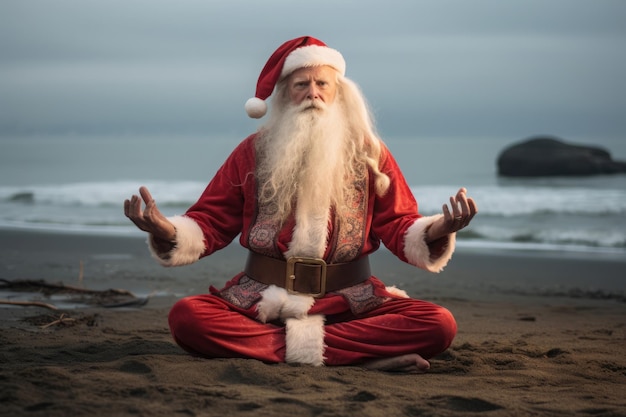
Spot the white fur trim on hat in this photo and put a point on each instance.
(416, 249)
(189, 243)
(304, 339)
(313, 56)
(256, 108)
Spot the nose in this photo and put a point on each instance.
(313, 92)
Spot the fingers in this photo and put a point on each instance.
(456, 210)
(133, 209)
(145, 194)
(148, 219)
(130, 207)
(460, 207)
(448, 218)
(126, 207)
(150, 213)
(473, 208)
(463, 210)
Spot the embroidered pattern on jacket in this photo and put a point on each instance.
(351, 229)
(361, 297)
(263, 233)
(244, 294)
(349, 236)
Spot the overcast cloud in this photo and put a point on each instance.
(429, 68)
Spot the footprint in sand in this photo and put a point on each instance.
(455, 403)
(135, 367)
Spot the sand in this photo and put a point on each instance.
(540, 334)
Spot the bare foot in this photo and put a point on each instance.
(412, 363)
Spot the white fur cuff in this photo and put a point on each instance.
(189, 243)
(416, 250)
(305, 340)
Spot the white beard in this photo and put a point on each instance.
(304, 162)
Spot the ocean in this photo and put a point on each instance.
(77, 184)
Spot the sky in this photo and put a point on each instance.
(429, 68)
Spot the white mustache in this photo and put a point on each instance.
(311, 104)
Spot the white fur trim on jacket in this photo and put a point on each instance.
(397, 291)
(304, 334)
(277, 303)
(305, 340)
(189, 243)
(416, 250)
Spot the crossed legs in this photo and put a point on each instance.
(398, 335)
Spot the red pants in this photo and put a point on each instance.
(212, 327)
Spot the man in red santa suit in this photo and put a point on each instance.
(311, 194)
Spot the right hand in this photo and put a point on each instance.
(463, 209)
(149, 219)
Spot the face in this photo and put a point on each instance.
(314, 83)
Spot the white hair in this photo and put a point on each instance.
(311, 154)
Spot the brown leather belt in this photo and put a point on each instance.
(310, 276)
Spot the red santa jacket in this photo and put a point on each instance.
(228, 208)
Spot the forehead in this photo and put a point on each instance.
(324, 72)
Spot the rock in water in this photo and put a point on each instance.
(548, 156)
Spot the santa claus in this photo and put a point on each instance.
(311, 194)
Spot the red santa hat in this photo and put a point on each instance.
(305, 51)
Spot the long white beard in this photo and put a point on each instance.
(304, 163)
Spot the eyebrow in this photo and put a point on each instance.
(300, 79)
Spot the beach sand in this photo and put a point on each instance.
(535, 338)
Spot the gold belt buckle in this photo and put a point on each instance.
(290, 279)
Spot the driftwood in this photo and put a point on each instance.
(110, 298)
(51, 288)
(29, 304)
(62, 320)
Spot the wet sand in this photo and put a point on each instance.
(539, 334)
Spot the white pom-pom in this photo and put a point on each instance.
(256, 108)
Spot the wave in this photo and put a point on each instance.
(510, 201)
(494, 200)
(558, 238)
(179, 193)
(533, 216)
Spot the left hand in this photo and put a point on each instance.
(463, 211)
